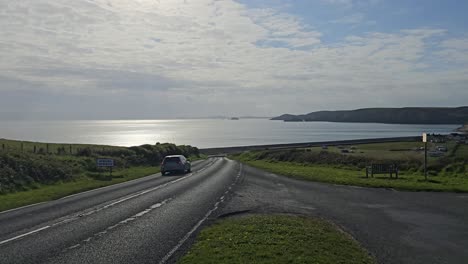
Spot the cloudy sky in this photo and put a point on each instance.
(189, 58)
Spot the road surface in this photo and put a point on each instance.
(155, 219)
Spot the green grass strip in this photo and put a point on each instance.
(275, 239)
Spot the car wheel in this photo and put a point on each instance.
(163, 172)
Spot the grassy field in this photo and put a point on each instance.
(32, 172)
(275, 239)
(447, 173)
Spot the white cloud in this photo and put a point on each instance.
(454, 51)
(458, 44)
(213, 56)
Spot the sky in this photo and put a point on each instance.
(151, 59)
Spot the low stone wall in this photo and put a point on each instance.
(231, 150)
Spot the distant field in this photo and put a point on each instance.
(398, 150)
(275, 239)
(446, 173)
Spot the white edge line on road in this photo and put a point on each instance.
(184, 239)
(117, 184)
(76, 194)
(108, 186)
(22, 207)
(23, 235)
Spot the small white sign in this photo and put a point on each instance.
(424, 137)
(105, 162)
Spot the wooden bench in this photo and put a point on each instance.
(382, 169)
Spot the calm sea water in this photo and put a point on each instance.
(204, 133)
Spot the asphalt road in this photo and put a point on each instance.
(156, 218)
(395, 227)
(141, 221)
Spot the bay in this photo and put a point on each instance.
(204, 133)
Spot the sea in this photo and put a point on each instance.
(204, 133)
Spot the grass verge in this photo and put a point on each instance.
(85, 182)
(275, 239)
(351, 176)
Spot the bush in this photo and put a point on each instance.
(18, 171)
(85, 152)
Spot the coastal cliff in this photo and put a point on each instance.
(407, 115)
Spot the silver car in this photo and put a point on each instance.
(175, 163)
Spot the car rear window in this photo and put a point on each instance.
(172, 160)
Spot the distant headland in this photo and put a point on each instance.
(406, 115)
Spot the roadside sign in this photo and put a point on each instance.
(424, 137)
(105, 162)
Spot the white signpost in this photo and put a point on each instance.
(424, 139)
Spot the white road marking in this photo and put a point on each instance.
(123, 222)
(184, 239)
(75, 246)
(104, 207)
(23, 235)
